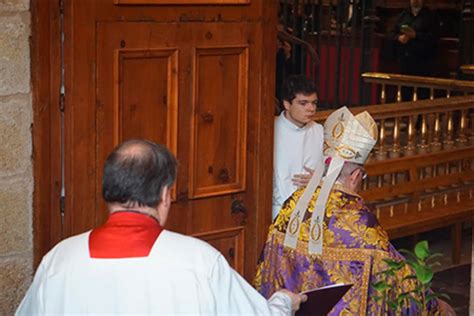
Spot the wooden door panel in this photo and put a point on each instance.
(218, 134)
(166, 72)
(151, 112)
(230, 242)
(139, 93)
(189, 78)
(215, 213)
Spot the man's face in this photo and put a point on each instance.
(416, 3)
(301, 109)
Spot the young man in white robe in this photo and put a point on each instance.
(298, 140)
(131, 265)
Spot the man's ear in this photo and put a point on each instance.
(286, 104)
(163, 207)
(166, 196)
(354, 177)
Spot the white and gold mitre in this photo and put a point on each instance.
(349, 137)
(346, 138)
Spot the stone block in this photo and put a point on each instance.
(14, 5)
(15, 217)
(14, 54)
(15, 135)
(15, 278)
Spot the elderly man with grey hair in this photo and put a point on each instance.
(325, 234)
(132, 265)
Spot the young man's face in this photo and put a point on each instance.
(301, 109)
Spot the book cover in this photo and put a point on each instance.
(322, 300)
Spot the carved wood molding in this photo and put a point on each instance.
(171, 57)
(231, 180)
(171, 54)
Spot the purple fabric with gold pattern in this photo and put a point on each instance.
(353, 252)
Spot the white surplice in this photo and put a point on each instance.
(182, 275)
(294, 148)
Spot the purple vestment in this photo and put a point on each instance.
(353, 252)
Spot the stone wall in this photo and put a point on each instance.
(16, 179)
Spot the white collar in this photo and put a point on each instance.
(292, 125)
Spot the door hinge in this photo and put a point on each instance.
(61, 6)
(62, 205)
(61, 102)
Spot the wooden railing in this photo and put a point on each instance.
(468, 69)
(421, 173)
(436, 87)
(410, 128)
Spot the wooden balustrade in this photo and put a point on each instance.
(426, 191)
(437, 87)
(442, 124)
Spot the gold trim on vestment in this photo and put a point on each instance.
(342, 254)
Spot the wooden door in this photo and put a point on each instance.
(196, 78)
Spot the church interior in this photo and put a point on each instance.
(204, 78)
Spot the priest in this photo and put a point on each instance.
(132, 265)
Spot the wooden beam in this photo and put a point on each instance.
(45, 63)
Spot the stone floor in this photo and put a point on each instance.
(451, 279)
